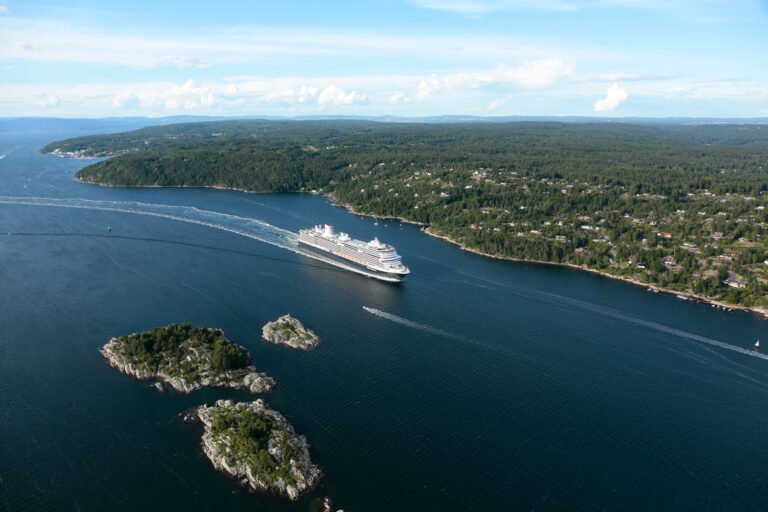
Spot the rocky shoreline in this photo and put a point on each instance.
(290, 332)
(198, 370)
(279, 464)
(351, 210)
(687, 295)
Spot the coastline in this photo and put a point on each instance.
(250, 378)
(763, 312)
(216, 187)
(688, 295)
(351, 210)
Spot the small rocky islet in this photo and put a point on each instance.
(290, 332)
(258, 447)
(186, 358)
(248, 441)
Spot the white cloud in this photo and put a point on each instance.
(427, 87)
(530, 75)
(499, 102)
(187, 96)
(24, 47)
(45, 99)
(476, 92)
(3, 9)
(613, 97)
(177, 62)
(397, 98)
(62, 42)
(484, 6)
(337, 96)
(127, 101)
(305, 93)
(284, 96)
(537, 74)
(702, 11)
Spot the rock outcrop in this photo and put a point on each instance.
(258, 447)
(187, 359)
(290, 332)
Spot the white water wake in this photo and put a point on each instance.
(243, 226)
(506, 350)
(655, 326)
(410, 323)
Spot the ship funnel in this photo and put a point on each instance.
(329, 229)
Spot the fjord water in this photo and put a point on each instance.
(474, 385)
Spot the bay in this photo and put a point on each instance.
(475, 384)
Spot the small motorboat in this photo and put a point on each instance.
(757, 345)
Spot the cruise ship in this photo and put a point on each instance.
(373, 259)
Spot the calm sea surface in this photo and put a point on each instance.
(475, 385)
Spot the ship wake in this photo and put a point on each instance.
(252, 228)
(410, 323)
(439, 332)
(618, 315)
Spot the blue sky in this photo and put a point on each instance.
(614, 58)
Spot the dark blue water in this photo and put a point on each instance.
(475, 385)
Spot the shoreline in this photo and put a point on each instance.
(763, 312)
(688, 295)
(350, 209)
(304, 475)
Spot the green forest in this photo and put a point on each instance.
(679, 206)
(172, 343)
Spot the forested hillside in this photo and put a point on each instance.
(679, 206)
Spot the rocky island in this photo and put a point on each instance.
(290, 332)
(186, 358)
(257, 446)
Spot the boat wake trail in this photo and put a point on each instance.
(655, 326)
(410, 323)
(251, 228)
(433, 330)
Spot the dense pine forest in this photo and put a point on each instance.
(682, 207)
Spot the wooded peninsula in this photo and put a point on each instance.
(681, 207)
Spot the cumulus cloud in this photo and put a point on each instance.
(45, 99)
(337, 96)
(188, 96)
(428, 87)
(290, 96)
(613, 97)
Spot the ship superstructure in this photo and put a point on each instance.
(374, 258)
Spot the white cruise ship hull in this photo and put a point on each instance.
(372, 259)
(331, 259)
